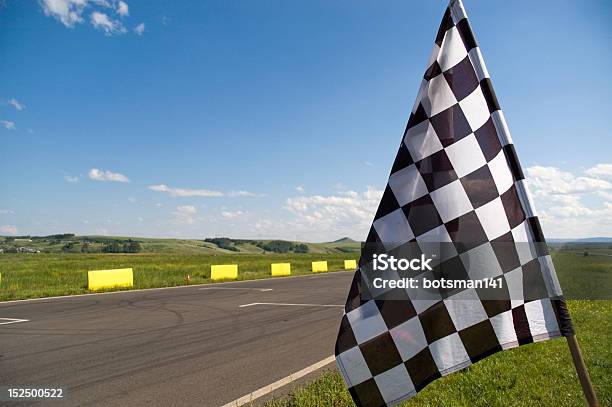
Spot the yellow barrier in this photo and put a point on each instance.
(350, 264)
(319, 266)
(224, 271)
(97, 279)
(280, 269)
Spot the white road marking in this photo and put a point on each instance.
(236, 288)
(279, 383)
(289, 304)
(317, 275)
(12, 321)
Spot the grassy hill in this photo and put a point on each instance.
(68, 243)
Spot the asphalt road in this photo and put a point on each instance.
(180, 346)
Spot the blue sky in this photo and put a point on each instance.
(277, 119)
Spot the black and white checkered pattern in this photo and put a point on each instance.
(456, 178)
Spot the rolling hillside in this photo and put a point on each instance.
(68, 243)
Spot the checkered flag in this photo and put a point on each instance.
(456, 180)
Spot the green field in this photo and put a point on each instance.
(29, 275)
(57, 265)
(43, 275)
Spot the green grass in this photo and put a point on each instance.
(584, 277)
(52, 274)
(540, 374)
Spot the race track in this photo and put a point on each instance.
(199, 345)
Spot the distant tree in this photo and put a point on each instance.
(131, 247)
(278, 246)
(68, 247)
(300, 248)
(113, 247)
(63, 236)
(223, 243)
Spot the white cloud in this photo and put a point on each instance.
(600, 171)
(551, 180)
(232, 215)
(71, 179)
(139, 29)
(6, 211)
(101, 175)
(16, 104)
(572, 205)
(9, 230)
(233, 194)
(123, 9)
(69, 12)
(189, 192)
(9, 125)
(300, 189)
(347, 213)
(316, 217)
(103, 22)
(185, 192)
(369, 164)
(131, 200)
(606, 195)
(185, 214)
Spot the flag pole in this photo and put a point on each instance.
(583, 374)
